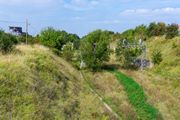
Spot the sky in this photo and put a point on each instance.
(84, 16)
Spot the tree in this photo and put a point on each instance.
(95, 49)
(75, 40)
(157, 57)
(140, 32)
(7, 41)
(161, 30)
(56, 39)
(172, 31)
(68, 51)
(128, 34)
(152, 29)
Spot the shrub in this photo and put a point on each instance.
(67, 51)
(157, 57)
(31, 39)
(7, 42)
(172, 31)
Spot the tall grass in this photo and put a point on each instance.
(137, 97)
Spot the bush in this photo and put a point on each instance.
(7, 41)
(172, 31)
(56, 39)
(157, 57)
(31, 39)
(156, 29)
(68, 52)
(95, 49)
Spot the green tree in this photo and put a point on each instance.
(157, 29)
(75, 40)
(157, 57)
(172, 31)
(161, 30)
(140, 32)
(68, 51)
(56, 39)
(95, 49)
(128, 34)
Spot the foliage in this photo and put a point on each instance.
(140, 32)
(126, 54)
(30, 40)
(153, 29)
(157, 57)
(7, 41)
(56, 39)
(95, 49)
(73, 38)
(128, 34)
(68, 51)
(137, 98)
(156, 29)
(172, 31)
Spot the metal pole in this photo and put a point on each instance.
(26, 31)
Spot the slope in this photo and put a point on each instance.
(36, 84)
(162, 82)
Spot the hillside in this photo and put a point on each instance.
(162, 82)
(36, 84)
(170, 66)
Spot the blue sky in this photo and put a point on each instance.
(84, 16)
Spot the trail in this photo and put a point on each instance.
(100, 98)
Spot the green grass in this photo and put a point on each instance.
(137, 97)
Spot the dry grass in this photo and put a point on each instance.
(20, 66)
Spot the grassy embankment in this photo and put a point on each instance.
(162, 82)
(36, 84)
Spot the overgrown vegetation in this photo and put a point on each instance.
(156, 57)
(137, 98)
(126, 54)
(68, 51)
(7, 42)
(172, 31)
(36, 84)
(56, 39)
(153, 29)
(95, 49)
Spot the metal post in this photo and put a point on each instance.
(26, 31)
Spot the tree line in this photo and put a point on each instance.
(93, 48)
(152, 30)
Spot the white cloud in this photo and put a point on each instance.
(80, 5)
(168, 10)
